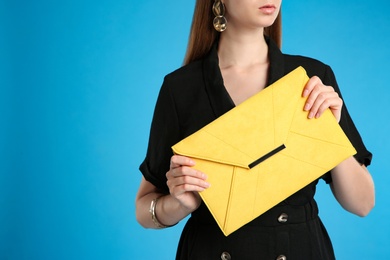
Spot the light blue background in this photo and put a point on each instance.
(78, 83)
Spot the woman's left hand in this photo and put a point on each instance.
(321, 97)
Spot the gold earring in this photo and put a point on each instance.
(219, 21)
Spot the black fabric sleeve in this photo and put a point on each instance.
(363, 156)
(164, 133)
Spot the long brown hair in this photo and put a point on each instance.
(203, 34)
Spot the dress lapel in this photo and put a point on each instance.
(276, 68)
(219, 97)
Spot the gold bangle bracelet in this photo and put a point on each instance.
(152, 211)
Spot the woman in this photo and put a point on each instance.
(222, 69)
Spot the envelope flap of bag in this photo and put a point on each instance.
(252, 131)
(204, 145)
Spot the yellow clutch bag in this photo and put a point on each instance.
(262, 151)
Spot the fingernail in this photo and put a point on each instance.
(318, 115)
(207, 184)
(305, 93)
(311, 114)
(307, 107)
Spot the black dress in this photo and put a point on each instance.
(192, 97)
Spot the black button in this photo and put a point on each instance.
(283, 218)
(225, 256)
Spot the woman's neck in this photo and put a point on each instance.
(242, 49)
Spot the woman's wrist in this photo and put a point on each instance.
(152, 211)
(168, 211)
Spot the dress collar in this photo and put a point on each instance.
(219, 97)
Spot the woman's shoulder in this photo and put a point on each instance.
(186, 72)
(185, 80)
(313, 67)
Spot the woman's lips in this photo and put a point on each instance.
(268, 9)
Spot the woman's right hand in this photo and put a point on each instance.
(185, 182)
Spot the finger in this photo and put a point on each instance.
(178, 160)
(178, 190)
(334, 104)
(185, 171)
(318, 94)
(327, 98)
(312, 89)
(316, 99)
(180, 185)
(188, 183)
(310, 85)
(335, 107)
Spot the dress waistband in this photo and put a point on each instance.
(281, 214)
